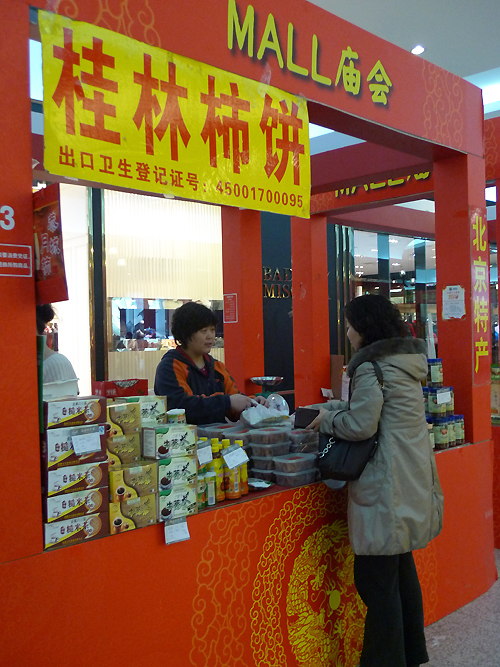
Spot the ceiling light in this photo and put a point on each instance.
(417, 50)
(395, 264)
(393, 241)
(373, 250)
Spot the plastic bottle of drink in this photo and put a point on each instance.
(243, 473)
(231, 478)
(217, 466)
(201, 492)
(210, 480)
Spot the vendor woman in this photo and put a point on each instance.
(191, 378)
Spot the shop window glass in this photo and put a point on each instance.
(403, 269)
(159, 254)
(73, 316)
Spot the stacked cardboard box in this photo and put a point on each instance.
(74, 470)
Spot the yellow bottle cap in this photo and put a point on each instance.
(226, 443)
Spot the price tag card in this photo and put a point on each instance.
(443, 396)
(87, 443)
(176, 531)
(204, 453)
(234, 456)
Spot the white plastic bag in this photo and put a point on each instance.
(259, 416)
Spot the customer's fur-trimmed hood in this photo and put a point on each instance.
(400, 352)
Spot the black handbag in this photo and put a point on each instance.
(342, 459)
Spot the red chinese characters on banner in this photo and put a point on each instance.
(271, 119)
(233, 129)
(50, 275)
(148, 108)
(69, 88)
(480, 296)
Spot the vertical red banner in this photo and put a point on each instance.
(50, 275)
(480, 290)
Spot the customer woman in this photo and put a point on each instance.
(396, 505)
(191, 378)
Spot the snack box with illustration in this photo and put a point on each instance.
(153, 409)
(71, 505)
(133, 481)
(176, 502)
(165, 442)
(58, 446)
(177, 471)
(75, 478)
(131, 514)
(74, 411)
(72, 531)
(123, 449)
(120, 388)
(123, 418)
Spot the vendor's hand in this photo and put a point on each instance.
(316, 422)
(263, 401)
(240, 402)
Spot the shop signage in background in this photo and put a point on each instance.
(277, 284)
(120, 112)
(480, 276)
(367, 193)
(50, 276)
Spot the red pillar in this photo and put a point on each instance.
(21, 529)
(242, 275)
(459, 190)
(311, 337)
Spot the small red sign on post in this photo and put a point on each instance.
(230, 308)
(50, 275)
(15, 260)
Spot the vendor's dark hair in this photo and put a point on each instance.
(190, 318)
(44, 314)
(375, 318)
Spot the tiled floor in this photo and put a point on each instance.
(470, 637)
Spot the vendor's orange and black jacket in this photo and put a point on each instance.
(203, 395)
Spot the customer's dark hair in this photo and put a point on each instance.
(374, 317)
(190, 318)
(44, 314)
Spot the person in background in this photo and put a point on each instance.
(138, 343)
(396, 505)
(56, 367)
(191, 378)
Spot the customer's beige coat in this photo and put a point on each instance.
(397, 503)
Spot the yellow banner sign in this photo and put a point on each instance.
(122, 113)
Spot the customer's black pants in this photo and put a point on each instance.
(394, 625)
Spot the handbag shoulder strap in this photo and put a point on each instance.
(378, 373)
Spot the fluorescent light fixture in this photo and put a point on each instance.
(417, 50)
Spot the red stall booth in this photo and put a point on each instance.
(268, 581)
